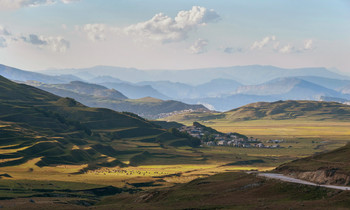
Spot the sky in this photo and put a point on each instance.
(182, 34)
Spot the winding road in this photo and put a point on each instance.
(299, 181)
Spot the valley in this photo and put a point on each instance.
(184, 105)
(61, 153)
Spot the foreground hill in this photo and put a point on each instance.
(232, 191)
(99, 96)
(38, 124)
(327, 168)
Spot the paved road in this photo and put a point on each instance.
(299, 181)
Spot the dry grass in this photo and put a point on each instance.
(286, 128)
(117, 176)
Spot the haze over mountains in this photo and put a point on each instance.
(219, 89)
(249, 75)
(99, 96)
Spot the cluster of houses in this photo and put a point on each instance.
(226, 139)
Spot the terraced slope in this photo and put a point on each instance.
(38, 124)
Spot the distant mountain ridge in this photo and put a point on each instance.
(20, 75)
(99, 96)
(86, 89)
(218, 89)
(249, 75)
(177, 90)
(288, 88)
(135, 91)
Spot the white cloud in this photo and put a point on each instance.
(287, 49)
(308, 44)
(69, 1)
(263, 42)
(16, 4)
(199, 46)
(4, 35)
(271, 43)
(4, 31)
(165, 29)
(3, 42)
(56, 44)
(208, 106)
(94, 32)
(64, 26)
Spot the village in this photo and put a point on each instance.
(210, 137)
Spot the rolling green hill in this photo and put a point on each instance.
(284, 110)
(38, 124)
(279, 110)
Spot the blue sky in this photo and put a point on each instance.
(182, 34)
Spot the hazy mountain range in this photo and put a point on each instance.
(217, 88)
(249, 75)
(99, 96)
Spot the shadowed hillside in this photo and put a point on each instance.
(232, 191)
(38, 124)
(99, 96)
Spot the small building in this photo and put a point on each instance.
(222, 143)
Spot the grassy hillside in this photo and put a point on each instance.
(329, 167)
(284, 110)
(37, 124)
(86, 89)
(279, 110)
(232, 191)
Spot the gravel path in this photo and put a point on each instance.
(299, 181)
